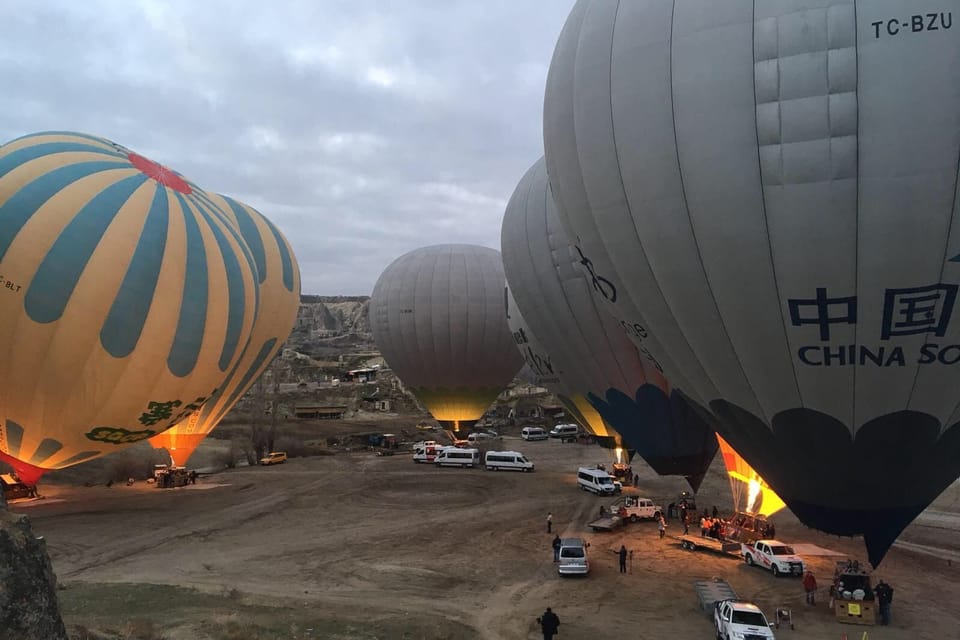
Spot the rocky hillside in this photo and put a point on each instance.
(323, 320)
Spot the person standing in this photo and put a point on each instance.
(549, 624)
(810, 587)
(686, 523)
(662, 527)
(549, 522)
(623, 558)
(884, 594)
(556, 548)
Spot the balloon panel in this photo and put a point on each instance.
(751, 493)
(585, 348)
(771, 190)
(129, 297)
(437, 316)
(278, 279)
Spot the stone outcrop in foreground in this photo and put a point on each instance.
(28, 586)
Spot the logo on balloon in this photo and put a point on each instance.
(603, 286)
(116, 435)
(906, 312)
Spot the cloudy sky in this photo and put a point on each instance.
(363, 128)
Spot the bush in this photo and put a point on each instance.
(295, 447)
(142, 629)
(136, 463)
(228, 457)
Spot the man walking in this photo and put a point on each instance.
(556, 548)
(884, 598)
(810, 587)
(623, 558)
(549, 624)
(549, 522)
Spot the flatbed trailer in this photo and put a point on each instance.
(607, 523)
(695, 543)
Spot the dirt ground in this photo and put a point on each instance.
(360, 546)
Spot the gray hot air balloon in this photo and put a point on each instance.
(437, 314)
(593, 365)
(770, 190)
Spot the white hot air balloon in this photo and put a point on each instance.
(585, 350)
(437, 314)
(771, 188)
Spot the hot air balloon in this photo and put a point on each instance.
(770, 188)
(586, 349)
(437, 316)
(128, 295)
(751, 493)
(279, 281)
(540, 370)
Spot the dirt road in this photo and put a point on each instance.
(360, 546)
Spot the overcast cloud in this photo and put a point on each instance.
(363, 129)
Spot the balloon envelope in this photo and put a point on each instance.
(585, 349)
(772, 187)
(128, 296)
(437, 315)
(278, 279)
(541, 367)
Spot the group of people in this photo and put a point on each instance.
(712, 528)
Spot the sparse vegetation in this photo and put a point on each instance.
(143, 629)
(154, 612)
(228, 457)
(135, 463)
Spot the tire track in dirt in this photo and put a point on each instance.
(500, 618)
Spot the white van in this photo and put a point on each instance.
(426, 451)
(565, 431)
(479, 436)
(533, 433)
(596, 480)
(496, 460)
(456, 457)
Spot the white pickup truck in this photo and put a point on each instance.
(626, 509)
(774, 555)
(736, 620)
(633, 509)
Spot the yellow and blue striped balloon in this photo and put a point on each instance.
(126, 297)
(279, 283)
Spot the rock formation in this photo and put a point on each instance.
(28, 586)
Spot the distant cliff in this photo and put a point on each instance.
(325, 319)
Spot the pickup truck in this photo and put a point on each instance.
(633, 508)
(773, 555)
(738, 620)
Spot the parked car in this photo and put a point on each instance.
(573, 557)
(274, 457)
